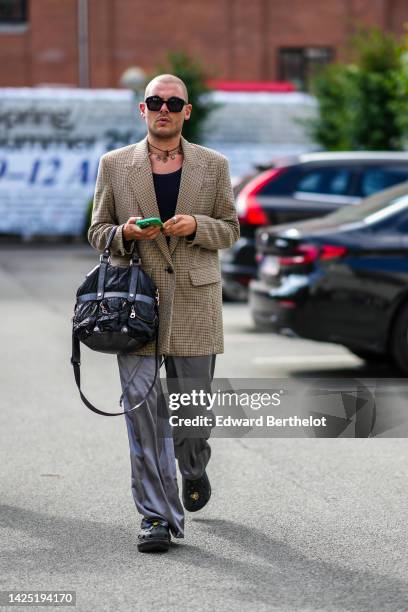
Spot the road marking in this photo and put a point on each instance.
(289, 359)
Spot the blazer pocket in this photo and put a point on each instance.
(204, 276)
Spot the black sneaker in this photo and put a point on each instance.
(154, 535)
(196, 493)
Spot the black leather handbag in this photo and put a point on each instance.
(116, 311)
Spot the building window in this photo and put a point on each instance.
(300, 64)
(13, 12)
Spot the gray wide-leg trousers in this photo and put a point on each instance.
(154, 444)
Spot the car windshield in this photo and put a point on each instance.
(374, 208)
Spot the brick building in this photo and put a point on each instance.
(90, 43)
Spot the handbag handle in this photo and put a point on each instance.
(105, 255)
(104, 260)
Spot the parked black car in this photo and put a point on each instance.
(302, 187)
(342, 278)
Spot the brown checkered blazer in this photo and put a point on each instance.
(190, 306)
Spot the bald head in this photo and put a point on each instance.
(166, 79)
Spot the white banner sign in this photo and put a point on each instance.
(50, 144)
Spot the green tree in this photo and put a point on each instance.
(190, 70)
(363, 105)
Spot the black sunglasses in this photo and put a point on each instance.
(175, 105)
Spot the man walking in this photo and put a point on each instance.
(188, 186)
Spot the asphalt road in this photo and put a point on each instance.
(294, 524)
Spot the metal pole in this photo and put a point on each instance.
(83, 44)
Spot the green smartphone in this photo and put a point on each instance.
(150, 222)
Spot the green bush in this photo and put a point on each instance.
(363, 105)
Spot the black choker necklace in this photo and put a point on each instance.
(167, 153)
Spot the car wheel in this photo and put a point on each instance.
(399, 340)
(369, 356)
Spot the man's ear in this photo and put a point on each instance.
(189, 108)
(142, 108)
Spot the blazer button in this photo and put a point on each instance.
(170, 270)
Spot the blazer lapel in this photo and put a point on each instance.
(141, 179)
(192, 176)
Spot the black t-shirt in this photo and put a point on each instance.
(167, 188)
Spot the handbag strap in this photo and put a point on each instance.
(76, 364)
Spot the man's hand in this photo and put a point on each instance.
(180, 225)
(132, 232)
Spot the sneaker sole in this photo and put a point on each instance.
(154, 546)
